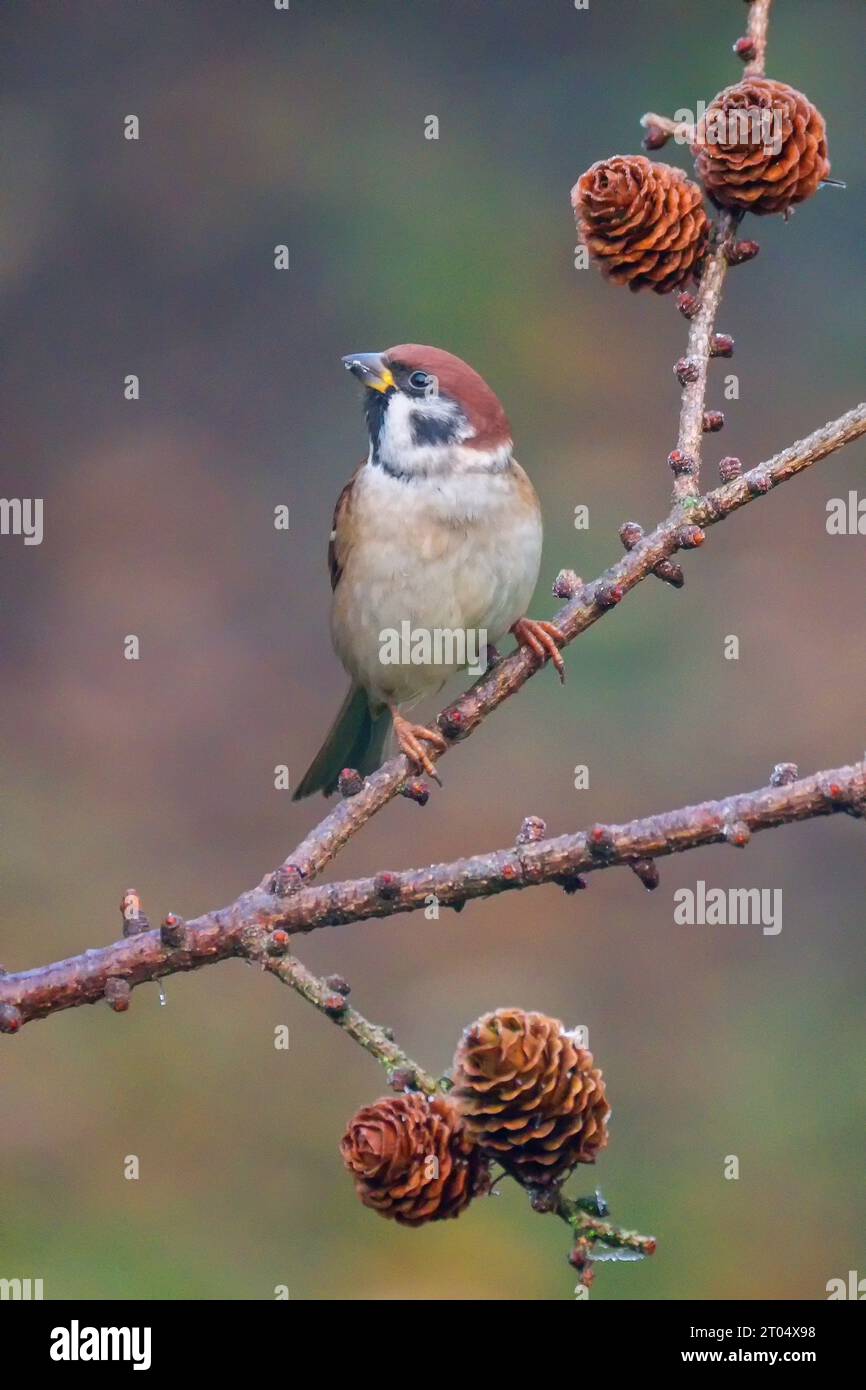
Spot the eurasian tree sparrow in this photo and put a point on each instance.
(440, 529)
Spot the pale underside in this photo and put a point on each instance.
(439, 553)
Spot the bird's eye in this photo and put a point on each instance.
(419, 381)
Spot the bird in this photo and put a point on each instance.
(439, 530)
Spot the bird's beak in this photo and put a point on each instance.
(371, 370)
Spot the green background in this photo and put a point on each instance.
(156, 257)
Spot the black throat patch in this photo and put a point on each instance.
(375, 406)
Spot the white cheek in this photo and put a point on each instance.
(395, 438)
(397, 448)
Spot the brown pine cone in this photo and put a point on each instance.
(760, 147)
(643, 223)
(412, 1158)
(529, 1095)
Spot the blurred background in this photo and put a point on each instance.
(155, 257)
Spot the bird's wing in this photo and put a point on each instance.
(339, 541)
(525, 491)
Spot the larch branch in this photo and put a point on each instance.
(756, 31)
(258, 925)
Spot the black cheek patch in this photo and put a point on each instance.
(432, 429)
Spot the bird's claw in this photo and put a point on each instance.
(411, 738)
(542, 638)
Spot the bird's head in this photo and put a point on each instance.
(429, 413)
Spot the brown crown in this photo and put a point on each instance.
(457, 379)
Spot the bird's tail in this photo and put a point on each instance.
(356, 739)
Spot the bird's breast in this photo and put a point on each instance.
(428, 555)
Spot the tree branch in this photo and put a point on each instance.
(592, 1229)
(258, 925)
(695, 421)
(666, 129)
(330, 999)
(756, 31)
(693, 368)
(563, 859)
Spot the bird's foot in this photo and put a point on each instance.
(542, 638)
(412, 737)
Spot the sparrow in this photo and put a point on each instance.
(438, 530)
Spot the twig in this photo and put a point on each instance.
(595, 1230)
(561, 860)
(692, 369)
(331, 1001)
(756, 30)
(694, 366)
(681, 131)
(248, 926)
